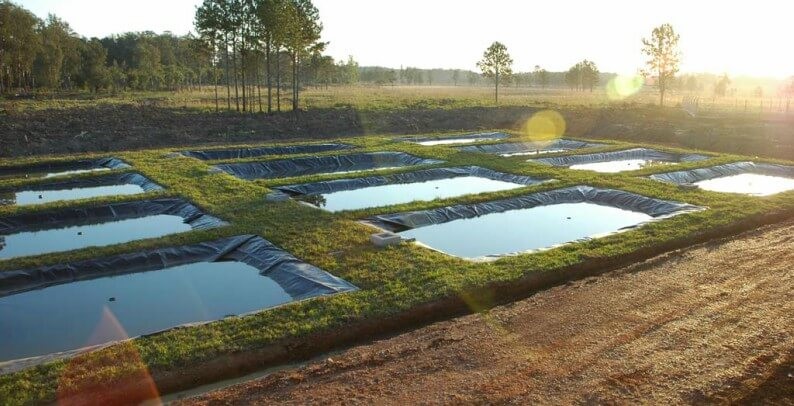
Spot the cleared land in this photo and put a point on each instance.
(714, 323)
(90, 123)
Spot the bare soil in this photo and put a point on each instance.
(709, 324)
(107, 127)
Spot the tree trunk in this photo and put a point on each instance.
(267, 72)
(497, 87)
(278, 80)
(295, 82)
(228, 85)
(234, 65)
(258, 83)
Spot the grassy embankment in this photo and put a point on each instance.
(392, 281)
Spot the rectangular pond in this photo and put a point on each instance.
(429, 184)
(83, 188)
(61, 168)
(619, 161)
(456, 140)
(489, 230)
(74, 228)
(237, 153)
(530, 148)
(323, 165)
(750, 178)
(94, 302)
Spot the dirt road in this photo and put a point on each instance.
(714, 323)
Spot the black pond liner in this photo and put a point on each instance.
(236, 153)
(425, 175)
(62, 166)
(576, 194)
(636, 153)
(719, 171)
(528, 147)
(97, 181)
(298, 279)
(38, 221)
(326, 164)
(484, 136)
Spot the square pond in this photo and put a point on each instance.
(83, 188)
(456, 140)
(323, 165)
(429, 184)
(128, 296)
(749, 178)
(530, 148)
(619, 161)
(69, 229)
(61, 168)
(538, 221)
(237, 153)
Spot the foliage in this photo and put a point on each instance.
(496, 63)
(582, 76)
(663, 55)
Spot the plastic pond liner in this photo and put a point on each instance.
(73, 228)
(428, 184)
(236, 153)
(490, 230)
(458, 139)
(754, 179)
(84, 188)
(323, 165)
(619, 161)
(531, 148)
(77, 304)
(61, 168)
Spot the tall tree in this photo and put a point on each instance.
(663, 55)
(496, 63)
(541, 76)
(303, 29)
(721, 87)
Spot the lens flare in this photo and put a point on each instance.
(134, 387)
(623, 86)
(545, 125)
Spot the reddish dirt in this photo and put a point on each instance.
(709, 324)
(105, 128)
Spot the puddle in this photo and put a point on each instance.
(323, 165)
(62, 168)
(524, 229)
(428, 184)
(112, 185)
(131, 296)
(540, 220)
(748, 183)
(68, 229)
(457, 140)
(530, 148)
(619, 161)
(236, 153)
(90, 235)
(750, 178)
(618, 166)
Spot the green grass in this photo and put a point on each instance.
(391, 280)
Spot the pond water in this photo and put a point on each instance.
(454, 141)
(33, 196)
(51, 174)
(78, 314)
(524, 229)
(384, 195)
(748, 183)
(535, 152)
(617, 166)
(81, 236)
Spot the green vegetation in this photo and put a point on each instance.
(664, 57)
(497, 64)
(392, 280)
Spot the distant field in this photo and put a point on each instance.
(399, 97)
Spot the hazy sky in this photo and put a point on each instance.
(738, 37)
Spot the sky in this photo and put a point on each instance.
(735, 37)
